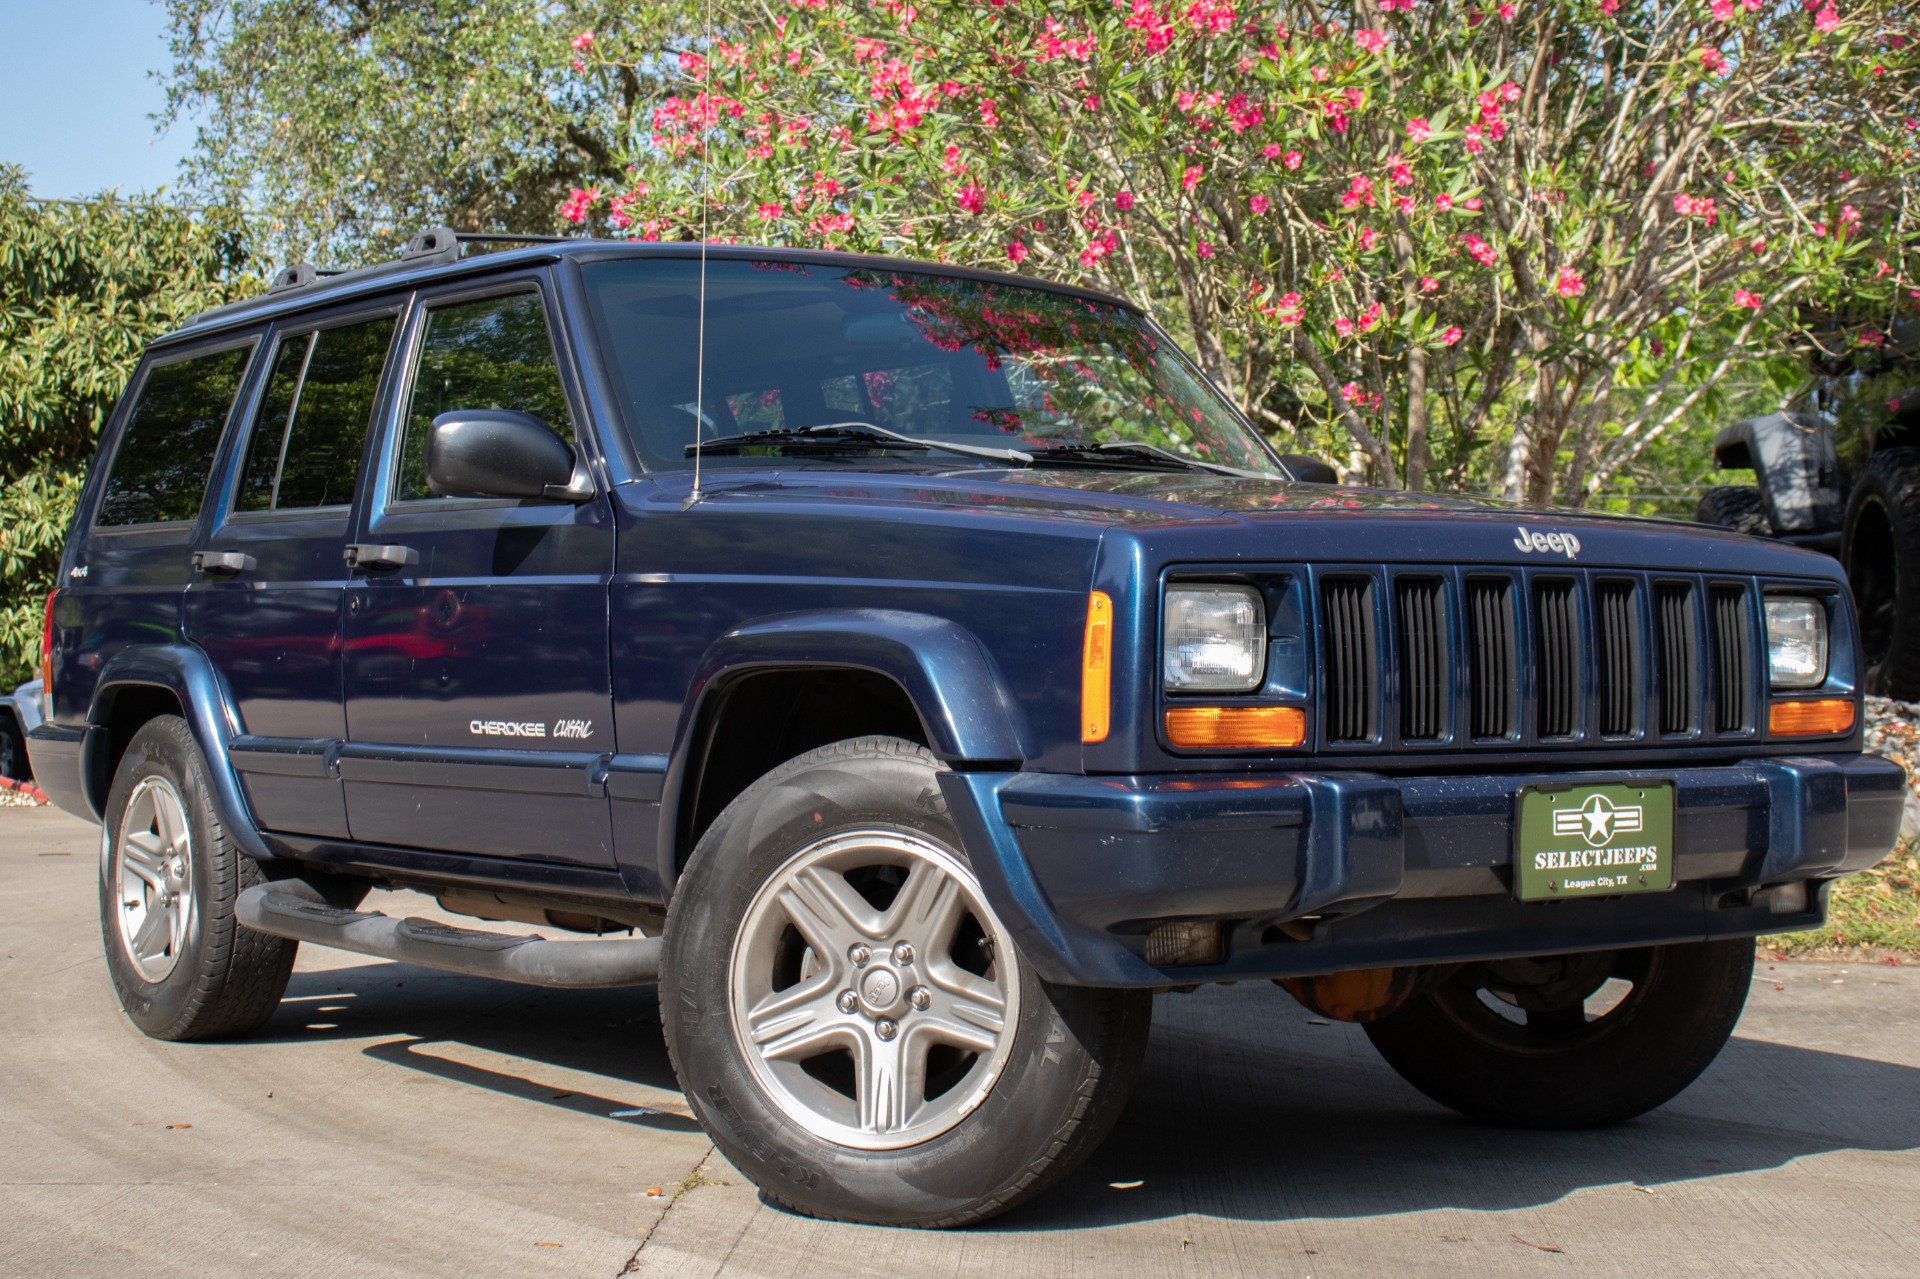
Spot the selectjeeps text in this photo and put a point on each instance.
(989, 675)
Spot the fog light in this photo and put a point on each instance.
(1787, 899)
(1236, 727)
(1186, 942)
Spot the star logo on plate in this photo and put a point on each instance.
(1598, 820)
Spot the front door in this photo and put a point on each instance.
(476, 661)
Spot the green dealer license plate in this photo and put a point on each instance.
(1593, 840)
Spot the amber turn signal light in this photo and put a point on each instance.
(1236, 727)
(1096, 670)
(1824, 717)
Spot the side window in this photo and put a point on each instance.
(313, 420)
(160, 467)
(490, 354)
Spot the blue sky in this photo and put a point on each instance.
(75, 95)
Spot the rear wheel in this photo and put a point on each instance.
(1736, 507)
(183, 965)
(854, 1027)
(1882, 554)
(13, 749)
(1569, 1041)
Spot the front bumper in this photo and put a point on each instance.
(1389, 870)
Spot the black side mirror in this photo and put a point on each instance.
(500, 453)
(1309, 470)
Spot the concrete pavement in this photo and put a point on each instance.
(392, 1121)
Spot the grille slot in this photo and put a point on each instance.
(1618, 610)
(1423, 658)
(1353, 659)
(1556, 625)
(1733, 660)
(1679, 657)
(1495, 672)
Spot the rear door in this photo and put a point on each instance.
(476, 661)
(266, 602)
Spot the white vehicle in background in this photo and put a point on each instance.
(19, 713)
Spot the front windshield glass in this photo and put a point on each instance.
(941, 357)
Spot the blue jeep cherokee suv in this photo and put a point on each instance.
(911, 670)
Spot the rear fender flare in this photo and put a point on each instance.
(189, 676)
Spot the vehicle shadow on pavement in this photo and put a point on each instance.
(1295, 1121)
(1249, 1112)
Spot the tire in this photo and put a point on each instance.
(182, 965)
(1736, 507)
(13, 749)
(1512, 1042)
(802, 890)
(1881, 551)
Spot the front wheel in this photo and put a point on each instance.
(1569, 1041)
(854, 1027)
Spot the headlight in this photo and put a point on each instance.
(1796, 643)
(1215, 639)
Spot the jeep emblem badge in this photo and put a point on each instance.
(1564, 543)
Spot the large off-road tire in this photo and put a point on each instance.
(852, 1025)
(1881, 551)
(1736, 507)
(183, 966)
(1554, 1043)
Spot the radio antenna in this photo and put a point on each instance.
(700, 322)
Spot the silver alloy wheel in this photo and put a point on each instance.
(152, 875)
(873, 1026)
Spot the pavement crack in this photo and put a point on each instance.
(696, 1177)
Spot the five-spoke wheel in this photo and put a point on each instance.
(153, 869)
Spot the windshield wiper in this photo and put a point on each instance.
(1143, 453)
(865, 434)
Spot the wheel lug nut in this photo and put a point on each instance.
(921, 998)
(859, 955)
(848, 1001)
(885, 1029)
(903, 954)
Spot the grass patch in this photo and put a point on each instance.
(1876, 910)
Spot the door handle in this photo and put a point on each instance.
(378, 555)
(221, 562)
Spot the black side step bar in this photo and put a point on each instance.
(280, 910)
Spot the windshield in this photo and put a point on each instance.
(938, 357)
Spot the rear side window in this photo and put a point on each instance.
(312, 428)
(161, 465)
(490, 354)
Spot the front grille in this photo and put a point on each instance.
(1424, 670)
(1495, 673)
(1559, 658)
(1732, 651)
(1556, 624)
(1353, 659)
(1679, 657)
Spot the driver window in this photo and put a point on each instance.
(490, 354)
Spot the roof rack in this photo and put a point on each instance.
(434, 245)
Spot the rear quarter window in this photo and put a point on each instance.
(160, 467)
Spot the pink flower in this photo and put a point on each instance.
(1344, 327)
(1388, 6)
(1568, 283)
(1471, 202)
(768, 212)
(1752, 301)
(1848, 215)
(1443, 202)
(1721, 9)
(1271, 150)
(1370, 40)
(1506, 12)
(1826, 20)
(579, 203)
(1452, 335)
(972, 198)
(1123, 200)
(1289, 309)
(583, 41)
(1429, 285)
(1371, 316)
(1713, 60)
(1408, 205)
(1087, 198)
(1474, 143)
(988, 115)
(1609, 7)
(1292, 160)
(1368, 238)
(1017, 252)
(1478, 249)
(1204, 249)
(1258, 204)
(1191, 178)
(953, 163)
(1418, 129)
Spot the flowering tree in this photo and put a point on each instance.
(1412, 222)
